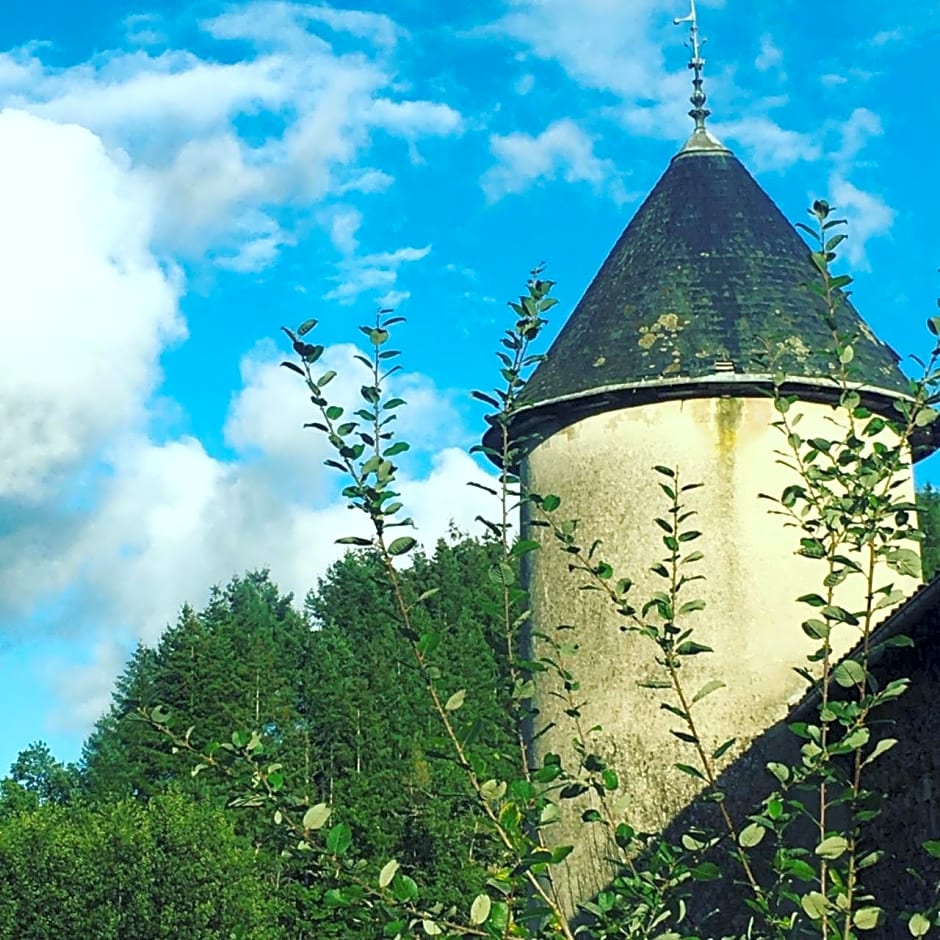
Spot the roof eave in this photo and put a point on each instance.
(532, 424)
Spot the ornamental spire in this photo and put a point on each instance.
(700, 140)
(699, 112)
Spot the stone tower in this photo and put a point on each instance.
(665, 361)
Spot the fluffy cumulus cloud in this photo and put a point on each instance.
(612, 47)
(86, 306)
(233, 148)
(868, 214)
(770, 146)
(108, 170)
(204, 519)
(562, 151)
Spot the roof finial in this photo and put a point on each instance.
(699, 112)
(700, 141)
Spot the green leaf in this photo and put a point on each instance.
(932, 847)
(550, 503)
(848, 674)
(832, 848)
(560, 853)
(812, 548)
(780, 771)
(456, 700)
(918, 925)
(751, 835)
(868, 918)
(354, 540)
(665, 471)
(405, 889)
(388, 873)
(306, 327)
(339, 839)
(816, 629)
(692, 648)
(316, 816)
(905, 561)
(723, 749)
(847, 355)
(402, 545)
(480, 909)
(706, 871)
(523, 547)
(691, 771)
(550, 813)
(399, 447)
(503, 574)
(814, 904)
(689, 607)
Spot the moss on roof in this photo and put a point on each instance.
(708, 277)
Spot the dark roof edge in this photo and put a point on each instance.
(533, 424)
(900, 622)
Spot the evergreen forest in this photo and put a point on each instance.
(135, 842)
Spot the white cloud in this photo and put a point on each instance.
(143, 29)
(85, 305)
(770, 55)
(601, 43)
(770, 146)
(414, 118)
(175, 90)
(856, 132)
(86, 686)
(868, 215)
(266, 417)
(562, 150)
(375, 275)
(344, 223)
(887, 36)
(282, 23)
(177, 520)
(607, 45)
(226, 143)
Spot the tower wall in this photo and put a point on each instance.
(601, 469)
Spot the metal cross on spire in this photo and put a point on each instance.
(699, 112)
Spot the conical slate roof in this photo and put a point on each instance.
(706, 287)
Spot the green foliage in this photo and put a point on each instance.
(233, 665)
(171, 869)
(928, 520)
(37, 779)
(383, 738)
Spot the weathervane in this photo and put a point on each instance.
(699, 112)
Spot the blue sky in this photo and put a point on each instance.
(179, 179)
